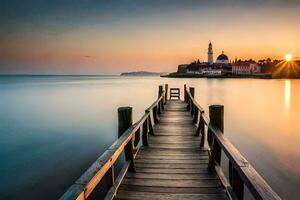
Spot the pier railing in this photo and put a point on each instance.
(101, 181)
(102, 171)
(241, 171)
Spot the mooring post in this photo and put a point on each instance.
(124, 119)
(166, 94)
(216, 116)
(192, 91)
(125, 122)
(185, 94)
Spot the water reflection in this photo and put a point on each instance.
(53, 128)
(287, 95)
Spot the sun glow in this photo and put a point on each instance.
(288, 57)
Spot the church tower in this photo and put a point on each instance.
(210, 59)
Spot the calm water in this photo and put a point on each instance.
(53, 128)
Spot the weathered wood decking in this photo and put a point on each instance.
(173, 166)
(166, 158)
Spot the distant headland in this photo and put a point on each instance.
(142, 73)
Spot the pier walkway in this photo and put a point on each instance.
(172, 152)
(173, 166)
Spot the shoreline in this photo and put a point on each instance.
(256, 76)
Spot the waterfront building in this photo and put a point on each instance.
(223, 59)
(210, 58)
(209, 68)
(182, 68)
(246, 68)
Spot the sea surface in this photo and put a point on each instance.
(52, 128)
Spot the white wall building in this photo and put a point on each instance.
(246, 68)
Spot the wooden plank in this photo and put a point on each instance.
(171, 183)
(186, 190)
(172, 171)
(123, 194)
(171, 161)
(175, 133)
(171, 155)
(179, 138)
(172, 176)
(171, 140)
(171, 165)
(174, 157)
(164, 151)
(175, 146)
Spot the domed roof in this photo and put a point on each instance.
(222, 57)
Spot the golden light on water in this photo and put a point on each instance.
(287, 95)
(288, 57)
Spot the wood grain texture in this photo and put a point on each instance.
(172, 166)
(167, 196)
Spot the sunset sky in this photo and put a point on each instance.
(109, 37)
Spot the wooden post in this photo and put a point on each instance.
(185, 94)
(154, 111)
(166, 94)
(111, 174)
(160, 91)
(202, 130)
(216, 115)
(196, 112)
(192, 91)
(150, 125)
(129, 155)
(162, 104)
(125, 121)
(188, 99)
(137, 137)
(145, 133)
(158, 106)
(192, 107)
(236, 182)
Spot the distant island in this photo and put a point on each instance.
(223, 67)
(142, 73)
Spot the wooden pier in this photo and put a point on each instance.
(172, 152)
